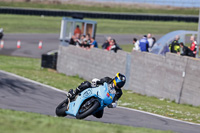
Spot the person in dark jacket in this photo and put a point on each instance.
(114, 85)
(113, 46)
(186, 51)
(106, 43)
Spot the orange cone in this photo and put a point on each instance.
(40, 45)
(18, 44)
(2, 44)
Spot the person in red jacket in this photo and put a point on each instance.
(77, 30)
(193, 46)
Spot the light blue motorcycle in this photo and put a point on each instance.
(89, 102)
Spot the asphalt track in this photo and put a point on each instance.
(29, 43)
(25, 95)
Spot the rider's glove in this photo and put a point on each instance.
(112, 105)
(94, 82)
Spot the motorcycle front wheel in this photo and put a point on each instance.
(87, 108)
(62, 107)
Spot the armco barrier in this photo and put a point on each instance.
(172, 77)
(122, 16)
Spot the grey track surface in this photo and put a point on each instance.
(29, 43)
(20, 94)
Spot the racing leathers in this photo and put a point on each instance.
(113, 90)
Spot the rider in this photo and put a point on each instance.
(114, 84)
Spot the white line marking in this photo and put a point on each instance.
(158, 115)
(53, 88)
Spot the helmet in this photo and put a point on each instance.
(119, 80)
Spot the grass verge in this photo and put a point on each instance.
(22, 122)
(127, 47)
(30, 68)
(120, 8)
(44, 24)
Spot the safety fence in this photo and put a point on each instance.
(120, 16)
(171, 77)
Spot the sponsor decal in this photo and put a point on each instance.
(108, 95)
(87, 93)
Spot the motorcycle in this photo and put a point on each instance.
(88, 102)
(1, 33)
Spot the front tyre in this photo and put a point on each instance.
(99, 114)
(62, 107)
(87, 108)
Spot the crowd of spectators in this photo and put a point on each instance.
(145, 44)
(181, 49)
(88, 42)
(83, 41)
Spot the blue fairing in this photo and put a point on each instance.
(101, 93)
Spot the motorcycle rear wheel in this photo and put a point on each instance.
(83, 113)
(62, 107)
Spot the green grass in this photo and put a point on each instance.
(103, 8)
(30, 68)
(38, 24)
(127, 47)
(21, 122)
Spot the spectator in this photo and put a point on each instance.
(77, 30)
(72, 41)
(94, 43)
(86, 41)
(107, 43)
(193, 46)
(113, 46)
(154, 41)
(136, 44)
(174, 46)
(81, 40)
(186, 51)
(150, 40)
(144, 44)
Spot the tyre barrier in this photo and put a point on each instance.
(120, 16)
(49, 61)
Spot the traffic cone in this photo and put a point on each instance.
(18, 44)
(40, 45)
(2, 44)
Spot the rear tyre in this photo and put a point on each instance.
(87, 108)
(62, 107)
